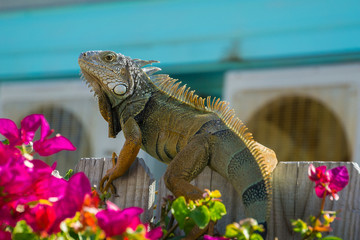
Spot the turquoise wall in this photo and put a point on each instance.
(187, 36)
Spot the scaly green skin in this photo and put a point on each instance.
(184, 133)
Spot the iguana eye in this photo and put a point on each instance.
(120, 89)
(110, 57)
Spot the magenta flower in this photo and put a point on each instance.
(15, 174)
(25, 186)
(19, 177)
(329, 182)
(5, 235)
(7, 217)
(115, 221)
(64, 198)
(72, 198)
(154, 234)
(14, 182)
(41, 218)
(28, 190)
(45, 146)
(207, 237)
(18, 181)
(9, 155)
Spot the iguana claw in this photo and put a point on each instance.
(110, 176)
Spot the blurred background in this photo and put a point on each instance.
(290, 69)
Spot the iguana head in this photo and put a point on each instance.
(108, 73)
(114, 79)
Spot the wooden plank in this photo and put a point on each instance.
(93, 169)
(135, 188)
(293, 195)
(230, 198)
(283, 188)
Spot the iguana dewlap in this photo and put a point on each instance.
(177, 127)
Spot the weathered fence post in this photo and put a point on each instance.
(293, 195)
(135, 188)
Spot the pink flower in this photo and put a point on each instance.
(9, 155)
(5, 235)
(28, 190)
(18, 181)
(41, 199)
(64, 198)
(207, 237)
(115, 221)
(15, 174)
(154, 234)
(7, 217)
(73, 196)
(41, 218)
(45, 146)
(331, 181)
(20, 178)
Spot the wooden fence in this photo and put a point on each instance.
(293, 195)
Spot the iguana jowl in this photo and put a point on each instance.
(177, 127)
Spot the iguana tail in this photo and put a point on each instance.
(256, 193)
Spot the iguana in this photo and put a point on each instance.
(177, 127)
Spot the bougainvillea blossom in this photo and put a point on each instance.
(5, 235)
(41, 218)
(32, 193)
(57, 199)
(45, 146)
(154, 234)
(115, 221)
(207, 237)
(328, 182)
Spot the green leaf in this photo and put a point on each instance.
(217, 210)
(318, 235)
(69, 174)
(22, 231)
(299, 226)
(256, 236)
(105, 196)
(180, 211)
(331, 238)
(231, 231)
(201, 216)
(189, 224)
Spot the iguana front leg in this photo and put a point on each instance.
(127, 154)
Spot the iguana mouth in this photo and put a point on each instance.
(92, 82)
